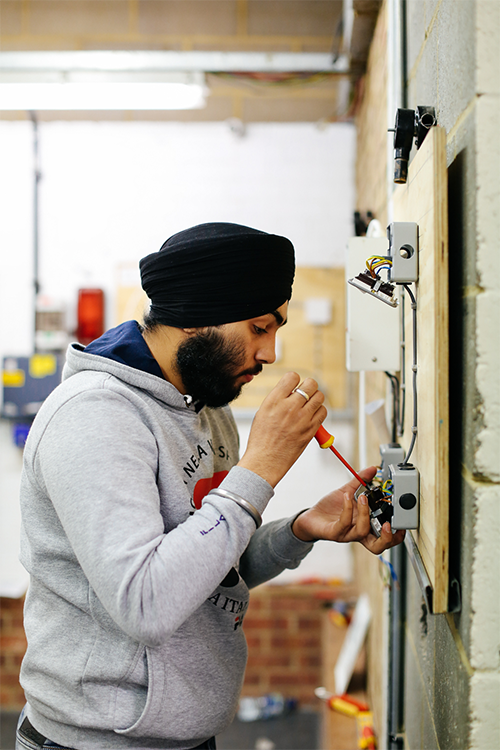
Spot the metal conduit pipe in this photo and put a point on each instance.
(397, 618)
(397, 596)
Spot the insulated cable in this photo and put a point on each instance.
(414, 369)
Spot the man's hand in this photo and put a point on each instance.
(283, 426)
(339, 518)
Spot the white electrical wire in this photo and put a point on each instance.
(414, 370)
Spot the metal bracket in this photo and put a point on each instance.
(420, 571)
(454, 592)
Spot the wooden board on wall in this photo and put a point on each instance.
(423, 199)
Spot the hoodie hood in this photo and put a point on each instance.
(122, 353)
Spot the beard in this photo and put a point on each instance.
(209, 365)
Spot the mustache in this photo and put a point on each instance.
(251, 371)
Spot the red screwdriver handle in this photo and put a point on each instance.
(325, 440)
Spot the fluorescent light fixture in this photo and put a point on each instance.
(134, 80)
(171, 60)
(101, 96)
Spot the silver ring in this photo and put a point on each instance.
(302, 393)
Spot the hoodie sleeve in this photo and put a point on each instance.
(272, 549)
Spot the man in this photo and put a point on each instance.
(141, 528)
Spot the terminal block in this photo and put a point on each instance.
(380, 510)
(382, 290)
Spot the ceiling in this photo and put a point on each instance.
(258, 91)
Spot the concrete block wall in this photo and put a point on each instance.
(452, 670)
(453, 64)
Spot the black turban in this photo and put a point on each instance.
(218, 273)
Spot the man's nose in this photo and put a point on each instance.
(267, 351)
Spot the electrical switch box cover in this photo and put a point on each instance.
(373, 329)
(405, 498)
(403, 243)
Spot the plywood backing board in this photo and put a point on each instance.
(423, 199)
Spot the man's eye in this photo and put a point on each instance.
(259, 331)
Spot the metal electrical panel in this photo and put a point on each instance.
(373, 329)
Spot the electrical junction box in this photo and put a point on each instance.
(390, 453)
(373, 339)
(403, 249)
(405, 498)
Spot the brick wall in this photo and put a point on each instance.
(12, 648)
(283, 628)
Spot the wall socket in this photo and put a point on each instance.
(403, 249)
(405, 498)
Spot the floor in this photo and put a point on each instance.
(297, 731)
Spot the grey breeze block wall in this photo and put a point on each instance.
(452, 662)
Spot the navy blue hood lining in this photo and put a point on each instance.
(126, 345)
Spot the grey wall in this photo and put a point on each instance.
(452, 680)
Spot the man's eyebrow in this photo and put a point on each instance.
(279, 318)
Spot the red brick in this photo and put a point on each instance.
(294, 679)
(255, 603)
(13, 644)
(9, 680)
(295, 605)
(255, 623)
(268, 660)
(298, 641)
(309, 623)
(252, 679)
(310, 661)
(253, 641)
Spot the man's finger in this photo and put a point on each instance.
(345, 519)
(387, 539)
(363, 519)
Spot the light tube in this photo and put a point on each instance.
(101, 96)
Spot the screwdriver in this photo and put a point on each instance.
(325, 440)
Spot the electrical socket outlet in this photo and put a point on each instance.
(405, 498)
(403, 249)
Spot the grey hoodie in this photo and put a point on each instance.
(138, 589)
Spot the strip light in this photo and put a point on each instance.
(133, 79)
(101, 96)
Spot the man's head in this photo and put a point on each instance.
(225, 289)
(217, 273)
